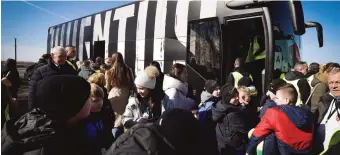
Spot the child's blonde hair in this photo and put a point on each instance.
(244, 95)
(97, 78)
(244, 89)
(96, 91)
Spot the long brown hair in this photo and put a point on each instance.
(119, 71)
(176, 71)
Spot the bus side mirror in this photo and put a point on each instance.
(297, 17)
(319, 30)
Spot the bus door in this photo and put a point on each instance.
(245, 36)
(203, 52)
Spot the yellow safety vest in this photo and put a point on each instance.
(237, 76)
(70, 63)
(295, 84)
(7, 115)
(282, 76)
(253, 48)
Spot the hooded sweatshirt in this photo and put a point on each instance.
(175, 94)
(302, 84)
(294, 131)
(85, 72)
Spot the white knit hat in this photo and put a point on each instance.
(147, 78)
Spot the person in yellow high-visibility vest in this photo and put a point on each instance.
(71, 54)
(238, 72)
(297, 79)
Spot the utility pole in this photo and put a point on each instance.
(15, 49)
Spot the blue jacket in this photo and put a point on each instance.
(292, 126)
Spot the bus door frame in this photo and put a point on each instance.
(269, 63)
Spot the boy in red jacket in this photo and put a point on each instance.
(292, 126)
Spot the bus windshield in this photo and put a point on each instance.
(287, 44)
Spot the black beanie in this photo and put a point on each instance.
(180, 128)
(211, 85)
(245, 81)
(228, 91)
(62, 96)
(275, 84)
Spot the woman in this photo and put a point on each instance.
(146, 105)
(12, 75)
(119, 84)
(176, 89)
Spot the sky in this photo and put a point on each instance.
(29, 22)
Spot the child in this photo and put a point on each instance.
(209, 97)
(293, 134)
(94, 125)
(244, 95)
(146, 105)
(230, 116)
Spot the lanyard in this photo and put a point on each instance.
(332, 112)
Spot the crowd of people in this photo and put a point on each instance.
(102, 107)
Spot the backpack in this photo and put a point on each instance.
(204, 112)
(141, 139)
(30, 70)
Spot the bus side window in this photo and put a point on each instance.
(203, 53)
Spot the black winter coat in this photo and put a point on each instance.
(142, 139)
(41, 73)
(231, 128)
(303, 85)
(35, 134)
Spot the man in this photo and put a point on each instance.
(71, 55)
(56, 66)
(312, 70)
(297, 79)
(293, 134)
(328, 112)
(58, 126)
(238, 73)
